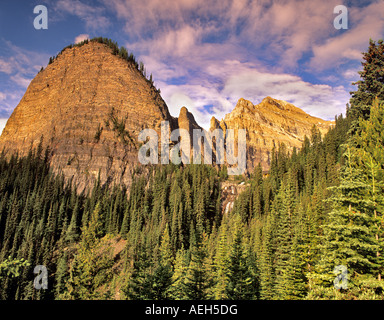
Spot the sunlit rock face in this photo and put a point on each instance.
(268, 124)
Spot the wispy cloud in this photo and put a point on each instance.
(19, 67)
(9, 100)
(15, 59)
(206, 55)
(81, 37)
(6, 65)
(92, 14)
(2, 96)
(366, 23)
(20, 80)
(246, 81)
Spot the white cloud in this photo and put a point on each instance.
(2, 124)
(366, 23)
(281, 32)
(321, 100)
(212, 53)
(260, 49)
(15, 59)
(235, 80)
(9, 100)
(81, 37)
(20, 80)
(351, 74)
(161, 70)
(285, 30)
(6, 66)
(195, 98)
(20, 66)
(92, 15)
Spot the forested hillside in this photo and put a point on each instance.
(318, 208)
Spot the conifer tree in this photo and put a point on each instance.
(73, 228)
(180, 269)
(198, 279)
(369, 146)
(267, 272)
(371, 85)
(91, 266)
(296, 281)
(140, 282)
(241, 284)
(285, 207)
(162, 278)
(221, 262)
(61, 276)
(348, 240)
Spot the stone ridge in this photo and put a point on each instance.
(89, 105)
(268, 124)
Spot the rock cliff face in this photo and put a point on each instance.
(89, 106)
(269, 124)
(187, 121)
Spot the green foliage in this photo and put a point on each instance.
(353, 235)
(371, 85)
(198, 278)
(11, 267)
(140, 284)
(178, 244)
(241, 283)
(221, 263)
(92, 263)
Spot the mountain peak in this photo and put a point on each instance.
(187, 121)
(243, 103)
(270, 123)
(271, 100)
(89, 104)
(214, 124)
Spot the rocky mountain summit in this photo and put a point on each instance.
(268, 124)
(89, 105)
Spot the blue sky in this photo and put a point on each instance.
(203, 54)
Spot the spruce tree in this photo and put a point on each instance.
(221, 262)
(371, 85)
(91, 266)
(177, 289)
(162, 278)
(241, 284)
(140, 282)
(348, 240)
(198, 280)
(284, 206)
(369, 146)
(61, 276)
(267, 267)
